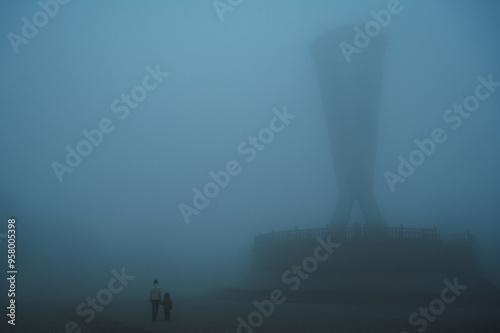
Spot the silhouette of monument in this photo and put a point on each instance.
(374, 264)
(351, 96)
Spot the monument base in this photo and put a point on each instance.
(395, 266)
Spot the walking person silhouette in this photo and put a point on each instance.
(155, 298)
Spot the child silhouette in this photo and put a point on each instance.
(167, 306)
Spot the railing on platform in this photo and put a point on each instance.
(353, 233)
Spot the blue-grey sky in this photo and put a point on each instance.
(120, 205)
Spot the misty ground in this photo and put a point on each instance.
(201, 314)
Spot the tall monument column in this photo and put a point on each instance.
(351, 97)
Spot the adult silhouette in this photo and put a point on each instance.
(155, 298)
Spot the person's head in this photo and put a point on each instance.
(167, 295)
(155, 282)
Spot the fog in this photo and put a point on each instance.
(229, 74)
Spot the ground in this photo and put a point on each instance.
(201, 314)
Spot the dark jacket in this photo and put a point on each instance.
(167, 304)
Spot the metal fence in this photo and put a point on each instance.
(353, 233)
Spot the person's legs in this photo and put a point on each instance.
(157, 308)
(156, 305)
